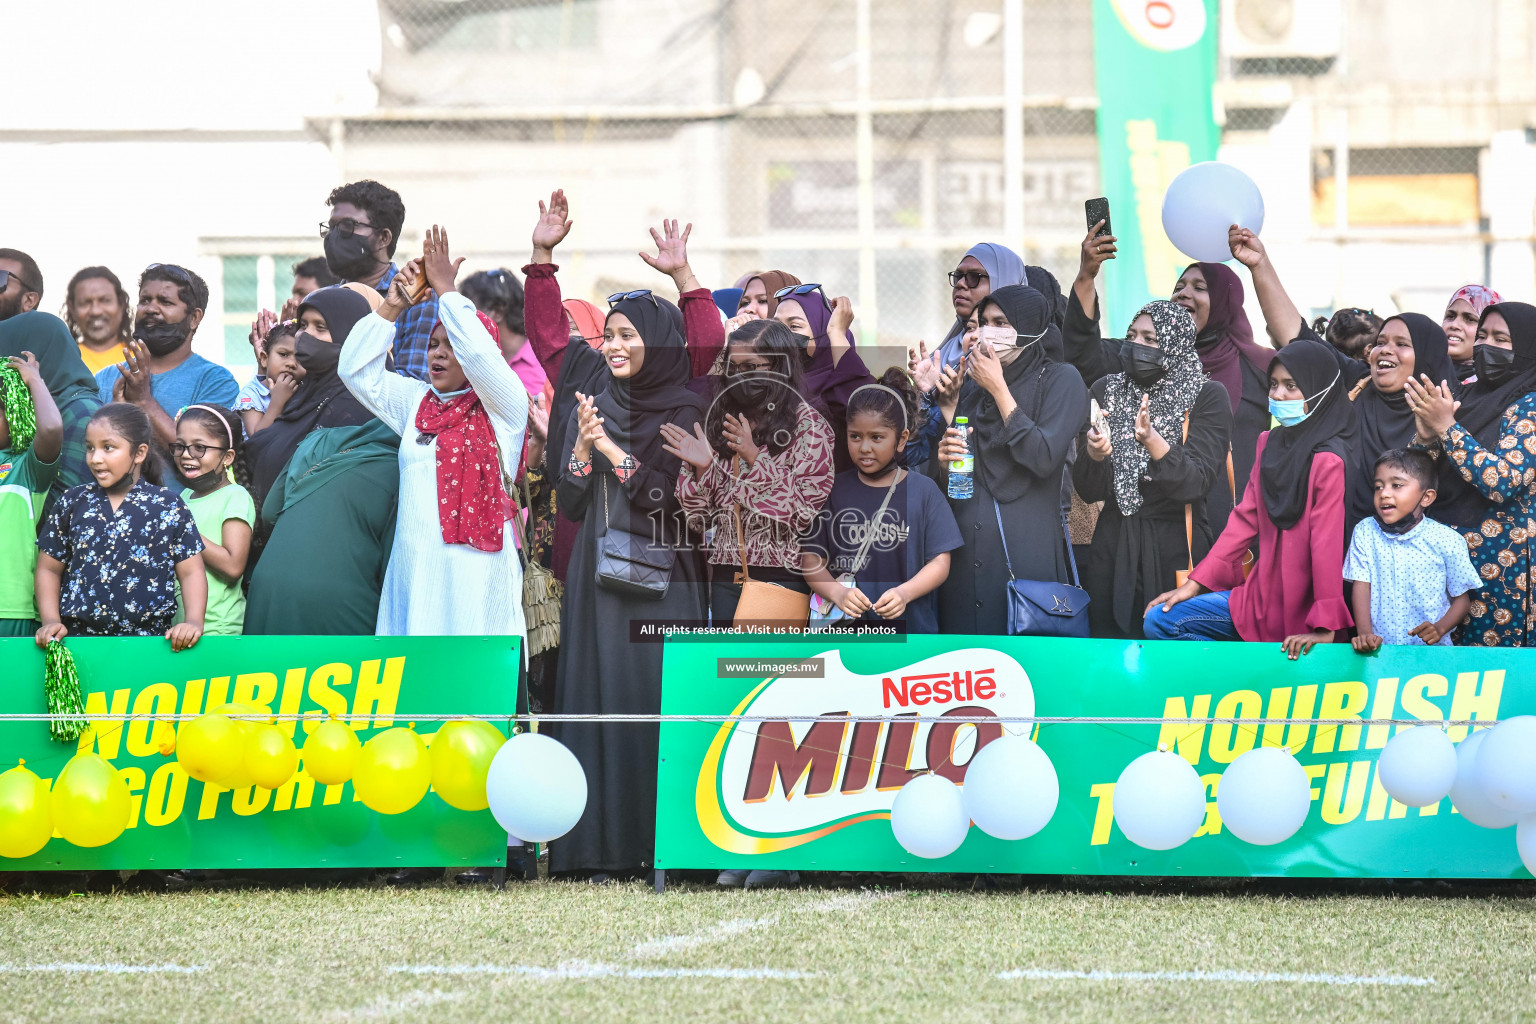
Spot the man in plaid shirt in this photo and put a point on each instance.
(360, 240)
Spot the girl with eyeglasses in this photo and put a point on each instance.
(208, 445)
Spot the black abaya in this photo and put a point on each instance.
(1134, 558)
(1097, 357)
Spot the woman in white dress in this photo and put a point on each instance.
(454, 568)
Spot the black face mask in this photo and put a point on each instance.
(1404, 524)
(1493, 364)
(319, 358)
(1143, 364)
(202, 484)
(349, 256)
(160, 337)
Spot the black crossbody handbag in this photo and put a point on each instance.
(630, 564)
(1044, 607)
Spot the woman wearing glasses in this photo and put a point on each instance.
(984, 269)
(1024, 411)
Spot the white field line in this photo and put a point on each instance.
(1248, 977)
(389, 1007)
(71, 968)
(667, 944)
(585, 970)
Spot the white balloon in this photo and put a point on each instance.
(1418, 766)
(928, 817)
(1011, 788)
(1264, 796)
(536, 787)
(1506, 764)
(1525, 842)
(1467, 792)
(1202, 202)
(1159, 801)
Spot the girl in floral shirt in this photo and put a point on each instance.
(112, 551)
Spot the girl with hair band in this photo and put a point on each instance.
(208, 444)
(617, 475)
(1487, 483)
(880, 547)
(73, 388)
(454, 569)
(123, 526)
(1463, 316)
(1167, 439)
(762, 459)
(1024, 412)
(1213, 294)
(1293, 514)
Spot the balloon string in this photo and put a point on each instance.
(652, 719)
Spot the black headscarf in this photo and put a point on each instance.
(323, 399)
(1482, 414)
(1286, 471)
(634, 408)
(1385, 421)
(58, 354)
(1028, 313)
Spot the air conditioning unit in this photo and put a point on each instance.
(1280, 28)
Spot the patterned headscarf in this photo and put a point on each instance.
(1171, 398)
(1478, 297)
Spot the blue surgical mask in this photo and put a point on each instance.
(1291, 411)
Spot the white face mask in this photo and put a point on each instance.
(998, 337)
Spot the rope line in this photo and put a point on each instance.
(652, 719)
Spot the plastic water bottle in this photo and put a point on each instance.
(962, 481)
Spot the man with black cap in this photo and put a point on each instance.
(161, 374)
(360, 239)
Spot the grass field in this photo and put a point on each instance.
(573, 952)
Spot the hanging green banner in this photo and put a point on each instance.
(1155, 68)
(807, 789)
(178, 822)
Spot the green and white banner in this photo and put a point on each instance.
(808, 789)
(178, 822)
(1155, 67)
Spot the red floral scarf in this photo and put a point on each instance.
(472, 500)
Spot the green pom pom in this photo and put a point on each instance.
(61, 685)
(18, 407)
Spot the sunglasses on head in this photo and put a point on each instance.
(969, 278)
(179, 273)
(5, 281)
(798, 289)
(638, 293)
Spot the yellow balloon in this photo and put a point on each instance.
(26, 813)
(270, 757)
(165, 738)
(90, 801)
(209, 747)
(393, 772)
(237, 777)
(461, 759)
(331, 753)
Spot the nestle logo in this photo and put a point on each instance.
(939, 688)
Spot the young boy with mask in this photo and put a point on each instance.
(1413, 577)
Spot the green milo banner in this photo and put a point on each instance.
(1155, 67)
(179, 822)
(792, 793)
